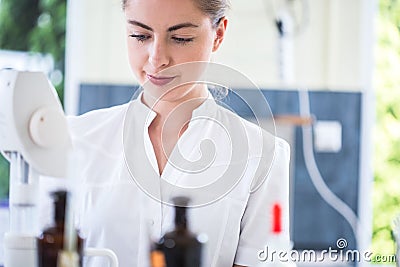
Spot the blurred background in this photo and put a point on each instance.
(345, 53)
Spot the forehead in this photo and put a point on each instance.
(164, 12)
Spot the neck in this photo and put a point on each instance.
(176, 113)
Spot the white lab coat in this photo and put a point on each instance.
(117, 212)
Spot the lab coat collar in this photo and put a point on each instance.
(144, 111)
(146, 115)
(207, 108)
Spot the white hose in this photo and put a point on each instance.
(333, 200)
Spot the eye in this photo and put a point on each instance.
(140, 37)
(182, 41)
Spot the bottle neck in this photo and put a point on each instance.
(180, 218)
(59, 210)
(59, 215)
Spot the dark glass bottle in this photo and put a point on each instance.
(180, 247)
(51, 241)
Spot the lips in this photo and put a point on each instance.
(159, 80)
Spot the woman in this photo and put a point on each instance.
(147, 138)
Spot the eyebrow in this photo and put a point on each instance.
(182, 25)
(170, 29)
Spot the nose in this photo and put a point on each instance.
(159, 57)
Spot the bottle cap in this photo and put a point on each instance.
(181, 201)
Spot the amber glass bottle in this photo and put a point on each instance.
(51, 241)
(180, 247)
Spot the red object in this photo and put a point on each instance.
(277, 219)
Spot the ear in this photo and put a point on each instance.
(220, 33)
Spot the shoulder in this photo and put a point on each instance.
(96, 120)
(261, 140)
(282, 146)
(99, 130)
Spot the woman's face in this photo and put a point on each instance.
(164, 33)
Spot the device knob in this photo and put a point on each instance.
(48, 128)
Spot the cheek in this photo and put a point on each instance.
(205, 51)
(137, 58)
(135, 54)
(200, 52)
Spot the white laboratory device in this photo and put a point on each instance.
(34, 138)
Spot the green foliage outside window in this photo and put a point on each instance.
(386, 195)
(35, 26)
